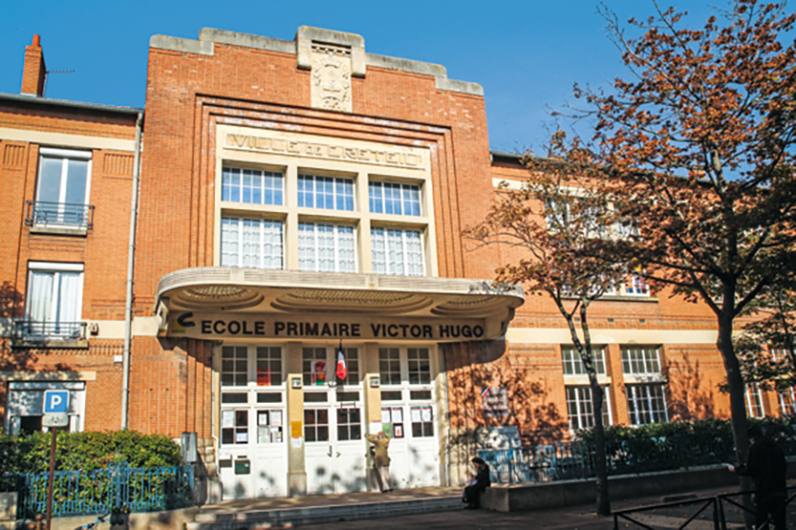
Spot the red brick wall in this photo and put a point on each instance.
(103, 251)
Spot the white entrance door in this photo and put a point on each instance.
(334, 452)
(408, 415)
(253, 448)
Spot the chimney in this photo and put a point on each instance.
(34, 69)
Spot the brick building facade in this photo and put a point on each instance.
(299, 202)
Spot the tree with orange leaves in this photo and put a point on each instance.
(698, 151)
(563, 229)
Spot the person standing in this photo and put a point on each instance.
(765, 463)
(477, 485)
(381, 460)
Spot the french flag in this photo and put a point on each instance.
(341, 371)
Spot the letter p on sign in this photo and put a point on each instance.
(56, 401)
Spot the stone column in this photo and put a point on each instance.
(296, 471)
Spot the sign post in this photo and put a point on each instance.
(56, 414)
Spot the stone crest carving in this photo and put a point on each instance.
(331, 77)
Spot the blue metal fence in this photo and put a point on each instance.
(119, 487)
(573, 460)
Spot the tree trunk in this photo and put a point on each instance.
(600, 467)
(737, 390)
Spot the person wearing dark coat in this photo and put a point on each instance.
(765, 463)
(477, 485)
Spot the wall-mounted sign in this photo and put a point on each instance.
(324, 150)
(495, 402)
(217, 325)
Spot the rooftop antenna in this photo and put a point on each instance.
(47, 77)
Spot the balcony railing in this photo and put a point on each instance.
(31, 329)
(59, 215)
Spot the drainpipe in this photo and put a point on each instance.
(128, 306)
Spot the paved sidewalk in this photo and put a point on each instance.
(582, 517)
(330, 499)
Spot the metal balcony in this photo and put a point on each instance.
(59, 215)
(32, 330)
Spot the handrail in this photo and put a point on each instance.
(59, 214)
(63, 330)
(717, 502)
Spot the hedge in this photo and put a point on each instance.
(86, 450)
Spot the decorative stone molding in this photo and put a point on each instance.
(331, 77)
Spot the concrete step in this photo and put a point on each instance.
(281, 517)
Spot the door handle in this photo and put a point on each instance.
(329, 454)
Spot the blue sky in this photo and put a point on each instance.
(526, 54)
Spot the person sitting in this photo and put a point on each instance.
(477, 485)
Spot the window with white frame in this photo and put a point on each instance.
(269, 366)
(325, 247)
(636, 285)
(640, 360)
(394, 198)
(252, 186)
(234, 366)
(235, 426)
(754, 401)
(573, 365)
(62, 190)
(390, 366)
(397, 252)
(54, 301)
(349, 424)
(419, 366)
(787, 401)
(252, 243)
(580, 410)
(330, 193)
(352, 366)
(314, 367)
(646, 404)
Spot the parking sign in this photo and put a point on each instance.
(56, 401)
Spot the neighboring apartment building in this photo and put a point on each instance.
(299, 199)
(67, 180)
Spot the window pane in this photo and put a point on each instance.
(327, 248)
(393, 198)
(397, 252)
(330, 193)
(389, 366)
(646, 404)
(50, 179)
(76, 180)
(251, 186)
(640, 360)
(573, 365)
(254, 243)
